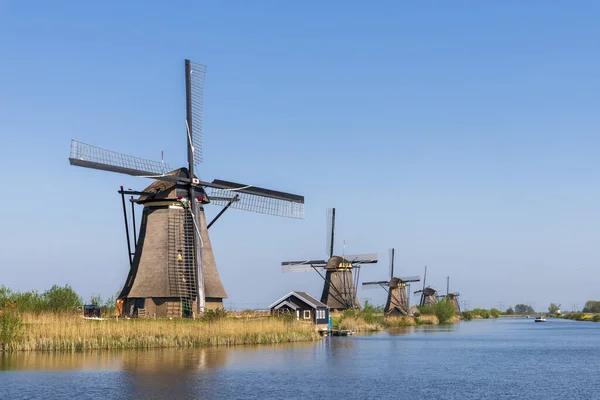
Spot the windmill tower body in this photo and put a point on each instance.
(339, 291)
(397, 300)
(162, 280)
(453, 299)
(173, 272)
(428, 297)
(428, 294)
(397, 303)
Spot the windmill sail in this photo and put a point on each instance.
(195, 77)
(392, 263)
(407, 279)
(370, 258)
(378, 283)
(88, 156)
(330, 227)
(256, 199)
(300, 267)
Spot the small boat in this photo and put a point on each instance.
(540, 319)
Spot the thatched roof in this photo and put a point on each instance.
(165, 189)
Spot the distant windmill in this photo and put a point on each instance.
(339, 289)
(397, 300)
(452, 297)
(173, 271)
(428, 294)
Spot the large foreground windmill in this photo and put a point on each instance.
(339, 288)
(172, 269)
(397, 300)
(428, 294)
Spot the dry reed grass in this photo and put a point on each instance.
(397, 321)
(69, 332)
(358, 324)
(428, 320)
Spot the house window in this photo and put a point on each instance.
(306, 314)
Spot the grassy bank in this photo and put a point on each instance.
(369, 319)
(48, 332)
(580, 317)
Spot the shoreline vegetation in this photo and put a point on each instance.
(70, 332)
(52, 321)
(49, 321)
(373, 319)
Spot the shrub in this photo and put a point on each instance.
(426, 310)
(214, 315)
(467, 315)
(444, 310)
(481, 312)
(368, 313)
(596, 318)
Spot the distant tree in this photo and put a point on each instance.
(509, 311)
(524, 309)
(592, 306)
(553, 308)
(61, 298)
(494, 312)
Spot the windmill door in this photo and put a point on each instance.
(186, 308)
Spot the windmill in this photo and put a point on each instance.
(339, 288)
(397, 300)
(428, 294)
(452, 297)
(172, 268)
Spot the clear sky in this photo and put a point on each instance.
(464, 134)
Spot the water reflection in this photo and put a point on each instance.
(143, 361)
(59, 361)
(358, 367)
(401, 331)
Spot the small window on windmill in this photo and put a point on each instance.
(306, 314)
(179, 256)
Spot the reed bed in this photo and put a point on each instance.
(51, 332)
(358, 324)
(427, 320)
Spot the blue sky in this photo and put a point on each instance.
(463, 134)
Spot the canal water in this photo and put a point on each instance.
(485, 359)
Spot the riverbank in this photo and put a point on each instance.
(379, 322)
(52, 332)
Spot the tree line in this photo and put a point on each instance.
(55, 299)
